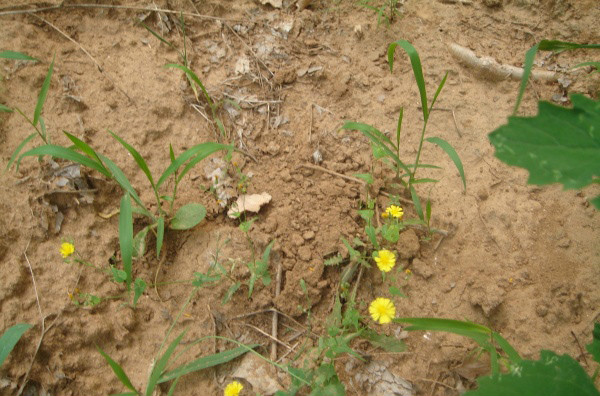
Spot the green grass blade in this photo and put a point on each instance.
(160, 365)
(15, 55)
(415, 62)
(43, 94)
(424, 180)
(86, 149)
(428, 166)
(126, 236)
(197, 152)
(556, 45)
(428, 211)
(120, 178)
(478, 333)
(512, 354)
(64, 153)
(529, 58)
(195, 161)
(438, 91)
(367, 131)
(417, 202)
(137, 156)
(10, 338)
(195, 78)
(160, 233)
(399, 127)
(118, 370)
(5, 109)
(444, 145)
(18, 150)
(594, 64)
(205, 362)
(158, 36)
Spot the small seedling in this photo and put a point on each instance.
(386, 11)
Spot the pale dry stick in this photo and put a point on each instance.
(100, 68)
(275, 323)
(252, 52)
(349, 178)
(42, 320)
(288, 352)
(267, 335)
(493, 69)
(280, 313)
(160, 263)
(117, 7)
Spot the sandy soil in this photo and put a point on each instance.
(521, 259)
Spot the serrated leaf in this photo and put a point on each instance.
(206, 362)
(387, 343)
(230, 292)
(10, 338)
(559, 145)
(118, 275)
(188, 216)
(394, 291)
(552, 375)
(138, 289)
(594, 347)
(335, 260)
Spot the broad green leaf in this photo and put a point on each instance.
(5, 109)
(43, 94)
(18, 150)
(372, 234)
(126, 235)
(10, 338)
(118, 370)
(552, 375)
(160, 234)
(64, 153)
(188, 216)
(368, 131)
(476, 332)
(391, 232)
(415, 62)
(86, 149)
(593, 348)
(138, 289)
(139, 242)
(387, 343)
(197, 152)
(230, 292)
(15, 55)
(366, 214)
(118, 275)
(559, 145)
(444, 145)
(137, 157)
(161, 364)
(206, 362)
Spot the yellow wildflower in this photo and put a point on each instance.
(67, 249)
(382, 310)
(394, 211)
(385, 260)
(233, 389)
(408, 271)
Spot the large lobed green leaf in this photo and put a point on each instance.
(552, 375)
(559, 145)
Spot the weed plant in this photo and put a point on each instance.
(386, 10)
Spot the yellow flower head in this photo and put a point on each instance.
(385, 260)
(67, 249)
(382, 310)
(394, 211)
(233, 389)
(408, 271)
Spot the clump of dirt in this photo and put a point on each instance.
(296, 74)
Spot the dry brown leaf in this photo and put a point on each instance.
(249, 203)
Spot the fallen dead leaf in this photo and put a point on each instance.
(249, 203)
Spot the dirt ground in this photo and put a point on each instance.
(520, 259)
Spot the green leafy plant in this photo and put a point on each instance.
(160, 372)
(13, 55)
(9, 339)
(385, 148)
(559, 145)
(551, 375)
(386, 10)
(186, 216)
